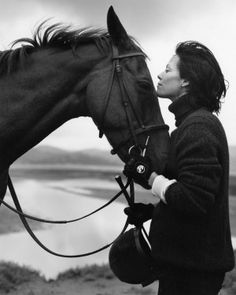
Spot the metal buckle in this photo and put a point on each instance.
(134, 150)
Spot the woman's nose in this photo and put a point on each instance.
(160, 76)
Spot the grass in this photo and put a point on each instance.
(13, 275)
(88, 273)
(139, 291)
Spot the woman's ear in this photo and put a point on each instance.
(184, 83)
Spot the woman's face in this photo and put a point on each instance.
(170, 84)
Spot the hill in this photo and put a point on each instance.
(51, 156)
(46, 155)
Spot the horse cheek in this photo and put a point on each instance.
(95, 100)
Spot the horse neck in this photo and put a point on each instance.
(41, 96)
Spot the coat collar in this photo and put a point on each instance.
(182, 107)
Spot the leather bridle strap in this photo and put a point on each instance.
(144, 250)
(107, 100)
(116, 55)
(115, 68)
(139, 131)
(126, 101)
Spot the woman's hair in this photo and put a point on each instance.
(200, 68)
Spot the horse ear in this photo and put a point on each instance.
(116, 31)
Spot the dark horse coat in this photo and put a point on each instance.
(192, 231)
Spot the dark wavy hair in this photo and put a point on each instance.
(200, 68)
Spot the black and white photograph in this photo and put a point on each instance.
(117, 147)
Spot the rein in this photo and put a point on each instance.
(20, 212)
(23, 217)
(123, 190)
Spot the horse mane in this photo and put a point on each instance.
(62, 36)
(56, 36)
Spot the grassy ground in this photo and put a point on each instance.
(90, 280)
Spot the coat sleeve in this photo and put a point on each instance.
(198, 168)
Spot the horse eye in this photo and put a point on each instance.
(145, 85)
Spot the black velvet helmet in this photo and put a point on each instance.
(130, 258)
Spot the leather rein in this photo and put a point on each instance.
(23, 216)
(127, 103)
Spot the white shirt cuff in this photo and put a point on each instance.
(160, 186)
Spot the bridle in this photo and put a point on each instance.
(128, 106)
(117, 72)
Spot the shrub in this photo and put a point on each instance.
(12, 275)
(91, 272)
(69, 274)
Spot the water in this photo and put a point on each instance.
(64, 200)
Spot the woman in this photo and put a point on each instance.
(190, 231)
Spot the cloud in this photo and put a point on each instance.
(158, 25)
(141, 18)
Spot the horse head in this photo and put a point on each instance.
(62, 74)
(122, 100)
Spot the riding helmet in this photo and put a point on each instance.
(130, 258)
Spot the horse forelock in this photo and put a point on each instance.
(57, 36)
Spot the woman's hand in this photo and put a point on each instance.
(138, 213)
(139, 169)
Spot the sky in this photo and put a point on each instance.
(157, 25)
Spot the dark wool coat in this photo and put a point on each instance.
(192, 230)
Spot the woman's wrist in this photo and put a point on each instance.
(160, 186)
(152, 178)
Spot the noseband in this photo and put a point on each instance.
(117, 71)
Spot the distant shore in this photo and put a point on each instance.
(49, 172)
(64, 171)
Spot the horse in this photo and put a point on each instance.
(63, 73)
